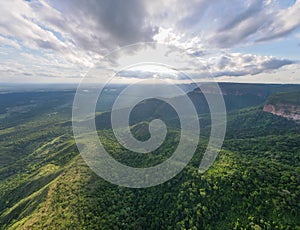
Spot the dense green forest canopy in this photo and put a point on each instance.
(285, 98)
(45, 184)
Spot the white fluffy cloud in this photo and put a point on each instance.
(284, 22)
(237, 64)
(219, 24)
(64, 38)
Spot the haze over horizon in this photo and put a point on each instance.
(149, 114)
(60, 41)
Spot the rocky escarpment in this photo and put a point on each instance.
(285, 104)
(284, 110)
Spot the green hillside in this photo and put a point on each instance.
(285, 98)
(45, 184)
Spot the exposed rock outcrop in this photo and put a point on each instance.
(284, 110)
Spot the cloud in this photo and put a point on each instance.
(287, 75)
(74, 27)
(60, 38)
(284, 22)
(258, 22)
(84, 30)
(237, 64)
(210, 66)
(196, 12)
(218, 24)
(4, 41)
(252, 10)
(17, 21)
(276, 63)
(139, 74)
(106, 23)
(243, 25)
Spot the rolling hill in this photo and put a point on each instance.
(45, 184)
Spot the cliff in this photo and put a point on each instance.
(285, 105)
(284, 110)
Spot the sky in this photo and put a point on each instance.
(61, 41)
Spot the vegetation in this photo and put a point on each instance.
(45, 184)
(285, 98)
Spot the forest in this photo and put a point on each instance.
(253, 184)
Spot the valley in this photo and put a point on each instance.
(254, 184)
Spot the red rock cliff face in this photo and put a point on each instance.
(288, 111)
